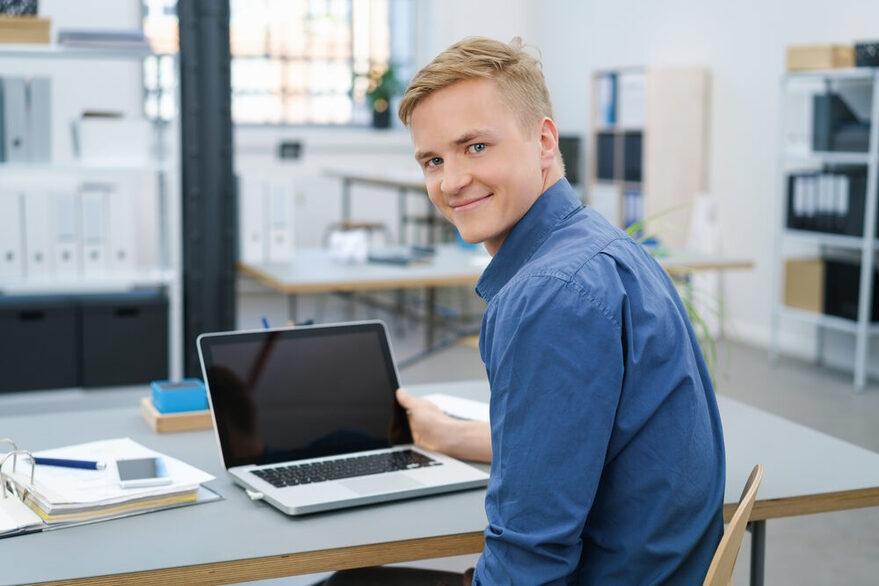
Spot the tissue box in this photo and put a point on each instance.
(175, 397)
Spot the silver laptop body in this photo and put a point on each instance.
(307, 418)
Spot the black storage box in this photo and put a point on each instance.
(606, 159)
(124, 338)
(632, 156)
(842, 290)
(835, 127)
(867, 54)
(39, 343)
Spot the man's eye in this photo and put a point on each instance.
(478, 147)
(434, 162)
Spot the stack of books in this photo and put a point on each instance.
(38, 496)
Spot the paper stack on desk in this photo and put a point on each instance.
(64, 496)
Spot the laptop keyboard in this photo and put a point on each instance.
(297, 474)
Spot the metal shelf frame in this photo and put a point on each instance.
(866, 244)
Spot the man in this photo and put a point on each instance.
(606, 449)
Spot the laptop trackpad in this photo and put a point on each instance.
(380, 483)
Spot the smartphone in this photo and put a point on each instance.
(140, 472)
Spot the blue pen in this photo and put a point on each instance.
(66, 463)
(265, 322)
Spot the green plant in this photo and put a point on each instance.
(383, 86)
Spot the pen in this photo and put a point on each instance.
(64, 462)
(265, 322)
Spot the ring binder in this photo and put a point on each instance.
(15, 454)
(72, 496)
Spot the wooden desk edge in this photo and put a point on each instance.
(808, 504)
(302, 563)
(697, 265)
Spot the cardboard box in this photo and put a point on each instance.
(24, 29)
(804, 284)
(804, 57)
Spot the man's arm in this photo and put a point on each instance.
(554, 357)
(434, 430)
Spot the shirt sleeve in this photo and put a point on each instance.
(554, 356)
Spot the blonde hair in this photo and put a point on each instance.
(518, 74)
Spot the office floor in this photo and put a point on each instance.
(835, 548)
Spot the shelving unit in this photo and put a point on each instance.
(649, 137)
(166, 272)
(862, 247)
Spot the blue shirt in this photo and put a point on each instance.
(608, 464)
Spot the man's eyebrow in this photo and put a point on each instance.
(468, 136)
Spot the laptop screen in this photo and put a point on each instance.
(280, 395)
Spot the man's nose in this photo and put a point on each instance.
(456, 176)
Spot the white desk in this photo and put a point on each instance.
(237, 540)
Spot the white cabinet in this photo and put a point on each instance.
(115, 219)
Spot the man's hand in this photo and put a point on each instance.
(434, 430)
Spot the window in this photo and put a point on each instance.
(293, 61)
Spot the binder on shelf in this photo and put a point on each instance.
(607, 99)
(11, 235)
(13, 114)
(121, 221)
(604, 201)
(252, 244)
(58, 496)
(39, 119)
(37, 234)
(606, 159)
(93, 207)
(831, 201)
(65, 234)
(631, 96)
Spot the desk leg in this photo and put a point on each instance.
(291, 308)
(401, 209)
(758, 552)
(430, 298)
(346, 200)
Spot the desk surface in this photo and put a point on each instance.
(236, 540)
(312, 270)
(400, 178)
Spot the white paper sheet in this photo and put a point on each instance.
(460, 408)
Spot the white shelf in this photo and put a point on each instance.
(79, 167)
(108, 283)
(834, 240)
(829, 157)
(827, 321)
(64, 52)
(847, 74)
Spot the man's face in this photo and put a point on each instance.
(482, 172)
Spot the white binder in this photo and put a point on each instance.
(121, 222)
(39, 119)
(93, 205)
(37, 226)
(252, 241)
(65, 234)
(280, 222)
(11, 237)
(14, 119)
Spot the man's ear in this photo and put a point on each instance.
(549, 142)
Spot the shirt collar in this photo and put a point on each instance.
(529, 233)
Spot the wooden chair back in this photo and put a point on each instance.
(720, 572)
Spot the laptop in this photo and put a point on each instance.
(306, 419)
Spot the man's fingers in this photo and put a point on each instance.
(404, 398)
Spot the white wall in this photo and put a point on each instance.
(743, 44)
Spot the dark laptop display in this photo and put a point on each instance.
(281, 395)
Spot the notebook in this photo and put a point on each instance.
(306, 419)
